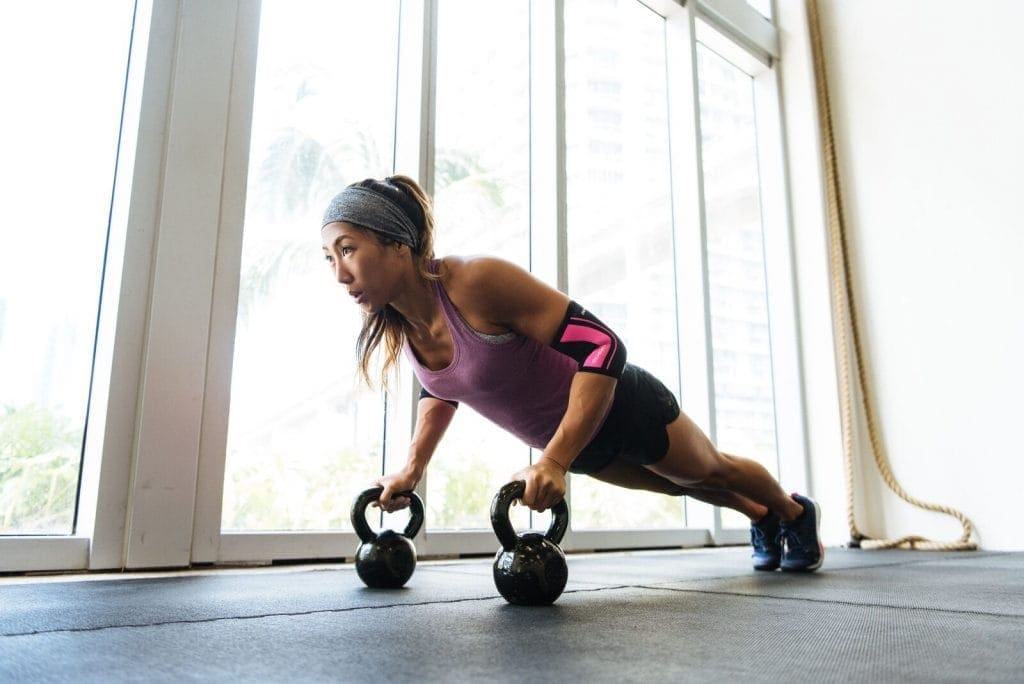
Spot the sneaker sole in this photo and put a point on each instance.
(821, 549)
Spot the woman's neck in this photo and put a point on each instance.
(418, 306)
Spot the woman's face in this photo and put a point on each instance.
(369, 270)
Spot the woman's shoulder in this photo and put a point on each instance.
(498, 292)
(503, 281)
(476, 272)
(473, 285)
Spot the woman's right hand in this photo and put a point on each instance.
(402, 481)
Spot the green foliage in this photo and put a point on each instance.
(597, 505)
(281, 488)
(465, 501)
(297, 173)
(39, 460)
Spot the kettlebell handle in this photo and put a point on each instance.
(362, 528)
(503, 526)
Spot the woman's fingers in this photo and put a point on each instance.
(390, 498)
(542, 491)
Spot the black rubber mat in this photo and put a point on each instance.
(696, 615)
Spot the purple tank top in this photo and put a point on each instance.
(514, 381)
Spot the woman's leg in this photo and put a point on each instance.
(633, 476)
(693, 461)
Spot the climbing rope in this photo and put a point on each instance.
(847, 329)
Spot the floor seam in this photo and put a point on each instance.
(224, 618)
(916, 561)
(857, 604)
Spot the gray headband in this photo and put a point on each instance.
(364, 207)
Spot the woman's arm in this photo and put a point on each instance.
(590, 396)
(432, 419)
(495, 295)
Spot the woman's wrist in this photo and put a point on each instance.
(563, 468)
(414, 470)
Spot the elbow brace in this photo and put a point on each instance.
(590, 342)
(424, 394)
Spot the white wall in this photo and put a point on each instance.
(929, 121)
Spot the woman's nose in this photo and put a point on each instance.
(341, 274)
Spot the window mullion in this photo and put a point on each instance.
(109, 450)
(414, 154)
(781, 286)
(217, 394)
(160, 512)
(696, 370)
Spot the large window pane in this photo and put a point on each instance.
(621, 263)
(744, 391)
(63, 67)
(304, 436)
(482, 207)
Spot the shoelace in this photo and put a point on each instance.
(760, 537)
(792, 538)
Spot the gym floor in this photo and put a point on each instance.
(684, 615)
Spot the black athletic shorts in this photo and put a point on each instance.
(634, 430)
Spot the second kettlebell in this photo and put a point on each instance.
(385, 560)
(529, 570)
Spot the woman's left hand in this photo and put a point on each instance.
(545, 484)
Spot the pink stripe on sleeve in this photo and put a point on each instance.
(604, 342)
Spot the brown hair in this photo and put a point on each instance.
(388, 325)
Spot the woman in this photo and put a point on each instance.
(483, 331)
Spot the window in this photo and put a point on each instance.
(620, 250)
(304, 433)
(557, 151)
(482, 206)
(59, 132)
(740, 337)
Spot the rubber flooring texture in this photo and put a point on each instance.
(685, 615)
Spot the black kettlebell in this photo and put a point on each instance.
(385, 560)
(529, 570)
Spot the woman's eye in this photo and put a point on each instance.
(328, 258)
(345, 251)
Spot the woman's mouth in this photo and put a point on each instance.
(357, 296)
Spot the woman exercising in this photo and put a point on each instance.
(485, 332)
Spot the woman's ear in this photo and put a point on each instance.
(400, 250)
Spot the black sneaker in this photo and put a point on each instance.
(764, 537)
(802, 549)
